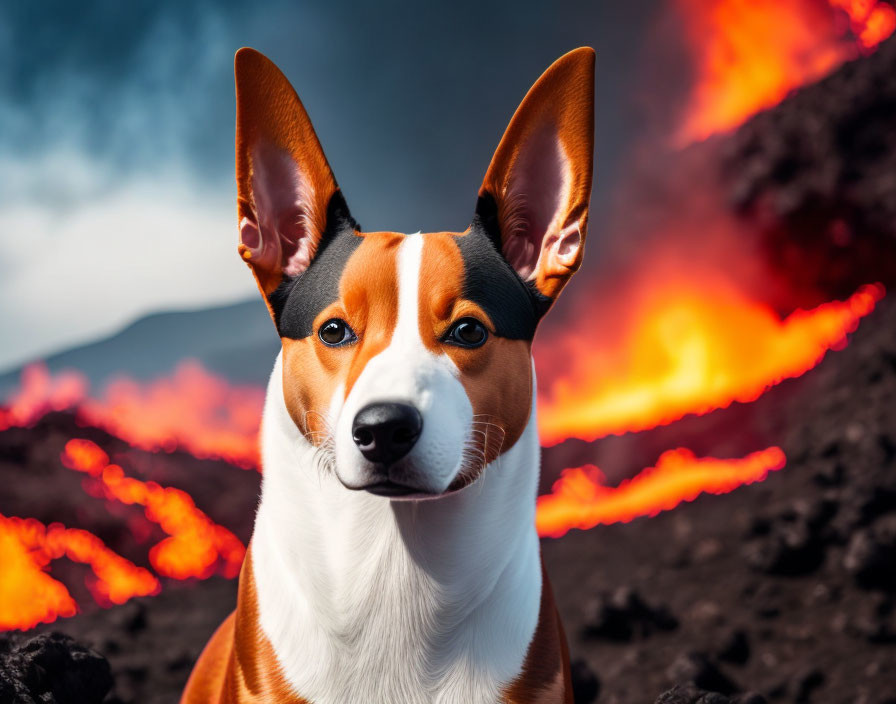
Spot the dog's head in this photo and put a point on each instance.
(408, 357)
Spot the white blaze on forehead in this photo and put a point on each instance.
(410, 256)
(407, 372)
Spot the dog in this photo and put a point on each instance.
(394, 557)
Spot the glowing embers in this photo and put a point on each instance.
(41, 393)
(690, 348)
(581, 500)
(28, 595)
(749, 54)
(196, 546)
(871, 21)
(191, 410)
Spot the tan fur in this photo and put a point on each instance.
(368, 302)
(238, 665)
(497, 376)
(562, 99)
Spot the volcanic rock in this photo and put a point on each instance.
(793, 542)
(624, 615)
(817, 174)
(585, 684)
(51, 668)
(806, 682)
(698, 670)
(735, 648)
(871, 554)
(693, 695)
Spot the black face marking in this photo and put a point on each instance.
(514, 306)
(300, 299)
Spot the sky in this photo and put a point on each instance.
(116, 134)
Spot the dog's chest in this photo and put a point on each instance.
(388, 632)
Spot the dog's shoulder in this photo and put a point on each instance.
(545, 677)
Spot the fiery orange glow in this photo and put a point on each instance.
(28, 595)
(749, 54)
(580, 498)
(870, 21)
(690, 349)
(196, 545)
(192, 410)
(41, 393)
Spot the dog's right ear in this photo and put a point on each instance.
(285, 186)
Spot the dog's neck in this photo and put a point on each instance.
(367, 599)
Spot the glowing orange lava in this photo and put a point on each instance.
(192, 410)
(690, 349)
(580, 498)
(28, 595)
(749, 54)
(870, 21)
(40, 393)
(195, 546)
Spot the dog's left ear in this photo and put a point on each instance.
(534, 199)
(286, 191)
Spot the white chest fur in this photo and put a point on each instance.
(369, 600)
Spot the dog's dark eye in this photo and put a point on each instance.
(467, 332)
(336, 332)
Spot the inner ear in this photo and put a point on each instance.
(286, 220)
(535, 199)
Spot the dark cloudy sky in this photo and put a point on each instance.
(116, 134)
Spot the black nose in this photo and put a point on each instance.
(386, 432)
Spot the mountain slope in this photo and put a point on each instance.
(237, 341)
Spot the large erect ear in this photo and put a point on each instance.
(284, 183)
(534, 198)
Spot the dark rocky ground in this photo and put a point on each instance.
(816, 177)
(785, 588)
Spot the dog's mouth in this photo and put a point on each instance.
(393, 490)
(400, 492)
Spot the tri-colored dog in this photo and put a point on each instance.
(394, 558)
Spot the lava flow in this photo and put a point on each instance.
(580, 498)
(749, 54)
(195, 546)
(28, 595)
(192, 410)
(41, 393)
(690, 348)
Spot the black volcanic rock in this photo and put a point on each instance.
(735, 648)
(51, 669)
(699, 670)
(871, 554)
(693, 695)
(585, 685)
(623, 615)
(795, 540)
(817, 174)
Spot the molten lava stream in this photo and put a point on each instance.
(749, 54)
(580, 499)
(195, 546)
(192, 410)
(28, 595)
(41, 393)
(690, 348)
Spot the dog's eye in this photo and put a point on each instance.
(335, 333)
(467, 332)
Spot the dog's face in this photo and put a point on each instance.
(407, 358)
